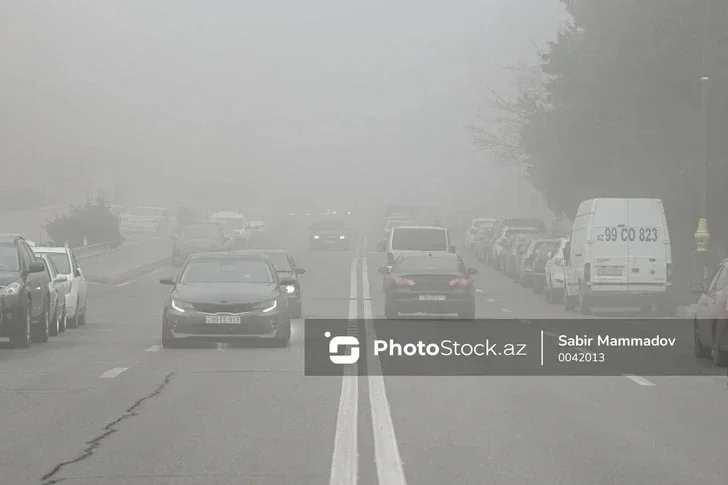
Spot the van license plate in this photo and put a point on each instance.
(432, 297)
(222, 319)
(609, 271)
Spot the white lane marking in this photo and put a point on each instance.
(366, 295)
(478, 290)
(386, 452)
(505, 310)
(490, 300)
(111, 373)
(639, 380)
(345, 459)
(153, 348)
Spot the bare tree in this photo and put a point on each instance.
(498, 129)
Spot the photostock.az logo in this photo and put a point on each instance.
(347, 341)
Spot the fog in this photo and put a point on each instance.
(350, 101)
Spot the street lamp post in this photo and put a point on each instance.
(702, 234)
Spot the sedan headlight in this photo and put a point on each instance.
(11, 289)
(342, 237)
(266, 306)
(315, 236)
(181, 306)
(290, 289)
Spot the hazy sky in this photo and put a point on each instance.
(350, 97)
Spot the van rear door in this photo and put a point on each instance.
(647, 245)
(609, 254)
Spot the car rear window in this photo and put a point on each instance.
(419, 239)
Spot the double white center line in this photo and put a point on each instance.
(345, 461)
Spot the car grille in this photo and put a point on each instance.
(223, 308)
(432, 282)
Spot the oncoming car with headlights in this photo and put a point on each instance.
(329, 233)
(286, 267)
(225, 296)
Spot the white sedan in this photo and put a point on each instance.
(66, 263)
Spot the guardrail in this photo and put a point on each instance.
(91, 250)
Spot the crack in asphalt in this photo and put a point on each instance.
(109, 429)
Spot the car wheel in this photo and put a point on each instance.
(55, 324)
(62, 327)
(390, 310)
(700, 350)
(82, 318)
(20, 338)
(73, 322)
(40, 332)
(283, 335)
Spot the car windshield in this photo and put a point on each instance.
(280, 261)
(419, 239)
(60, 260)
(227, 270)
(424, 265)
(146, 212)
(201, 231)
(330, 225)
(9, 260)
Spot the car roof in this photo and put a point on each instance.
(45, 249)
(243, 254)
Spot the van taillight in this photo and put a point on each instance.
(587, 272)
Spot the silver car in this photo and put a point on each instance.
(58, 287)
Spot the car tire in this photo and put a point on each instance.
(283, 335)
(73, 322)
(63, 321)
(82, 318)
(297, 310)
(700, 350)
(467, 313)
(390, 310)
(20, 338)
(40, 332)
(55, 324)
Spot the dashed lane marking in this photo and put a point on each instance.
(490, 300)
(478, 290)
(153, 348)
(505, 310)
(639, 380)
(111, 373)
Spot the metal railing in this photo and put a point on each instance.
(91, 250)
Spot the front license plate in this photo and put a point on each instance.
(609, 271)
(432, 297)
(227, 319)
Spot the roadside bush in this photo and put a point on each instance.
(94, 220)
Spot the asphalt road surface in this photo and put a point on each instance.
(105, 404)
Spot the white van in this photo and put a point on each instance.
(619, 255)
(403, 239)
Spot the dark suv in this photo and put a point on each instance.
(199, 237)
(24, 293)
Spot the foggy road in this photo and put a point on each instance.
(108, 405)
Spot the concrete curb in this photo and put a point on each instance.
(132, 273)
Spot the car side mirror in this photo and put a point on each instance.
(697, 288)
(384, 269)
(287, 281)
(77, 273)
(61, 278)
(472, 271)
(36, 267)
(380, 247)
(300, 270)
(167, 281)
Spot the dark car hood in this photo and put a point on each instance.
(233, 293)
(286, 274)
(7, 277)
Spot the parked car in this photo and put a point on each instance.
(538, 276)
(76, 298)
(555, 278)
(515, 258)
(709, 312)
(506, 234)
(526, 274)
(58, 288)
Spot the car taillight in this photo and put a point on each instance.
(560, 262)
(403, 282)
(461, 282)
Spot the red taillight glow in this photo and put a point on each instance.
(461, 282)
(403, 282)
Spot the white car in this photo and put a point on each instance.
(66, 263)
(58, 287)
(258, 229)
(235, 224)
(555, 274)
(145, 219)
(475, 227)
